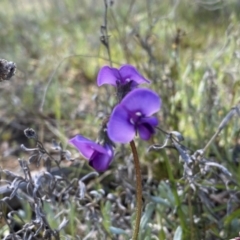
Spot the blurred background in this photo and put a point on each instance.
(190, 50)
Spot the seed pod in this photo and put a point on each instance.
(7, 69)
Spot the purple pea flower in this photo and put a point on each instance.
(126, 74)
(99, 156)
(133, 115)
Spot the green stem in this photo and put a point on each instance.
(176, 197)
(138, 191)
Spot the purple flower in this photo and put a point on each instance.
(99, 156)
(133, 115)
(126, 74)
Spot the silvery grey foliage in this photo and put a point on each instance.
(51, 185)
(54, 186)
(204, 175)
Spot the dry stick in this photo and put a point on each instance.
(106, 32)
(138, 191)
(58, 66)
(224, 122)
(210, 141)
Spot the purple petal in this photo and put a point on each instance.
(120, 129)
(100, 161)
(129, 72)
(86, 147)
(152, 121)
(108, 75)
(142, 100)
(146, 127)
(144, 132)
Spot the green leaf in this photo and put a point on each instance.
(116, 230)
(150, 207)
(231, 217)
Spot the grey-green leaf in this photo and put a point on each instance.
(178, 234)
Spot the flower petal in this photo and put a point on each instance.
(108, 75)
(100, 161)
(120, 129)
(142, 100)
(144, 132)
(152, 121)
(129, 72)
(146, 127)
(86, 147)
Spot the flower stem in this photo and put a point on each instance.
(138, 191)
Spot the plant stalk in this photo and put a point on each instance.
(176, 197)
(138, 191)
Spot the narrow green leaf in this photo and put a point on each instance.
(150, 207)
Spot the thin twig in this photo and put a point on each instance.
(221, 126)
(210, 142)
(105, 37)
(54, 72)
